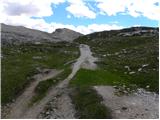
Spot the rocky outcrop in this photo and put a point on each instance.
(20, 34)
(139, 31)
(65, 34)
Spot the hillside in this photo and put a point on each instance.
(131, 53)
(20, 34)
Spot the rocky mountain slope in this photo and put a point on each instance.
(20, 34)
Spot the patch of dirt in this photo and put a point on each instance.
(60, 107)
(138, 105)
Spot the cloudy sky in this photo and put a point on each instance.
(85, 16)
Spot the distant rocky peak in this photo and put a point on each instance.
(66, 34)
(60, 30)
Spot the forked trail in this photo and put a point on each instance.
(20, 110)
(21, 103)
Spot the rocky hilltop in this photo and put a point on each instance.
(20, 34)
(65, 34)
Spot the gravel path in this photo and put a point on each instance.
(86, 56)
(60, 107)
(138, 105)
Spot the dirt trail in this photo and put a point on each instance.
(21, 103)
(85, 57)
(85, 61)
(59, 107)
(138, 105)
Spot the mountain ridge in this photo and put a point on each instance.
(19, 34)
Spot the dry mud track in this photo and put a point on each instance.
(20, 110)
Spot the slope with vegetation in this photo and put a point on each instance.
(21, 62)
(127, 60)
(128, 56)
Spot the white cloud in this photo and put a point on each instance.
(85, 29)
(21, 13)
(137, 25)
(68, 16)
(145, 8)
(36, 8)
(111, 7)
(57, 1)
(135, 8)
(114, 22)
(79, 9)
(102, 27)
(40, 24)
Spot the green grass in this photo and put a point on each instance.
(18, 64)
(140, 50)
(41, 90)
(44, 86)
(88, 104)
(95, 77)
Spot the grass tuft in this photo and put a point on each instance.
(88, 104)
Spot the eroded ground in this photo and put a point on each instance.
(137, 105)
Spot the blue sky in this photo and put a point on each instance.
(83, 16)
(60, 14)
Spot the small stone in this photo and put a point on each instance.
(125, 91)
(124, 108)
(47, 112)
(132, 72)
(133, 103)
(125, 72)
(116, 53)
(108, 54)
(119, 56)
(116, 87)
(118, 111)
(140, 69)
(37, 43)
(145, 65)
(127, 67)
(146, 109)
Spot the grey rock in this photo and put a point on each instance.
(65, 34)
